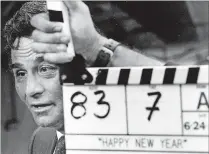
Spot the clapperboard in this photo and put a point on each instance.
(138, 110)
(134, 110)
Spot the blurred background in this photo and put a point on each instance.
(170, 31)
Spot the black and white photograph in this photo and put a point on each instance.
(104, 77)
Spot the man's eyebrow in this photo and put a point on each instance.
(38, 59)
(16, 65)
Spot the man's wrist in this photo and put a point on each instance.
(106, 52)
(117, 56)
(95, 49)
(125, 57)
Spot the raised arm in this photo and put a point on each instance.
(49, 40)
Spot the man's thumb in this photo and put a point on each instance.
(72, 5)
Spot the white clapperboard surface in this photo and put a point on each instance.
(138, 110)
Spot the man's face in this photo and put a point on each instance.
(38, 85)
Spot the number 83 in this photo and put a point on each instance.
(81, 104)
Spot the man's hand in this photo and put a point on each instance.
(49, 40)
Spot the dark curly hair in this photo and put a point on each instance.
(19, 25)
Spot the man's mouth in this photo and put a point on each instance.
(42, 107)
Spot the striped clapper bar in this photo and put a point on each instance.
(138, 110)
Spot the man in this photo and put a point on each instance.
(37, 47)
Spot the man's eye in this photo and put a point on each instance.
(44, 69)
(20, 74)
(47, 70)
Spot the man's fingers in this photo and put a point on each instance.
(42, 23)
(46, 48)
(72, 4)
(75, 5)
(61, 57)
(39, 36)
(53, 53)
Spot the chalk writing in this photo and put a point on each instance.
(78, 99)
(203, 102)
(153, 108)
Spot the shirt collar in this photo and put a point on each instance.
(59, 134)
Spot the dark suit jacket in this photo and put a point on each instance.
(43, 141)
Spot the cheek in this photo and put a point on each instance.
(54, 89)
(20, 88)
(55, 93)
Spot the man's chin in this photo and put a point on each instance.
(47, 121)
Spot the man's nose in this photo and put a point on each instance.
(34, 87)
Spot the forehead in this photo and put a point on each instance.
(22, 42)
(23, 52)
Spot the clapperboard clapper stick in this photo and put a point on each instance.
(146, 75)
(58, 12)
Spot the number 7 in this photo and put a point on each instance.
(153, 108)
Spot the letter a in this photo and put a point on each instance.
(202, 95)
